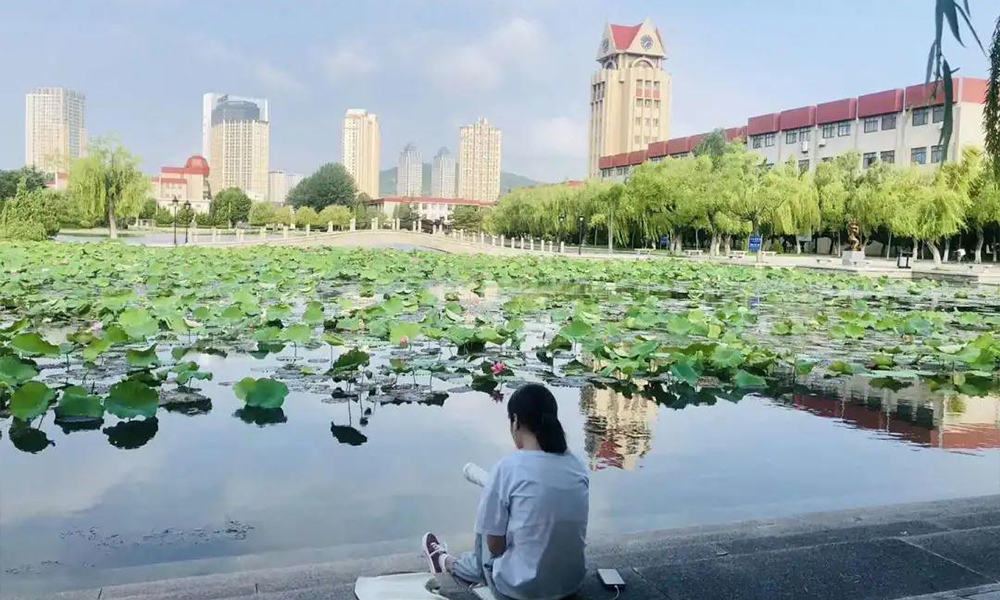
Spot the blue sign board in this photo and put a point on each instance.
(755, 243)
(665, 241)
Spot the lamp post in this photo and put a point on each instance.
(187, 224)
(580, 248)
(175, 202)
(562, 220)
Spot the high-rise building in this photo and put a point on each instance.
(240, 146)
(443, 175)
(479, 155)
(54, 127)
(279, 184)
(629, 94)
(362, 148)
(410, 172)
(208, 103)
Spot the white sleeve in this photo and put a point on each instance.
(491, 518)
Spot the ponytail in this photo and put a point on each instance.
(536, 410)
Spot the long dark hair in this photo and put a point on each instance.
(536, 410)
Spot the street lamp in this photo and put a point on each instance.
(562, 220)
(175, 202)
(580, 249)
(187, 224)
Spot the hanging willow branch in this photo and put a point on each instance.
(991, 117)
(937, 64)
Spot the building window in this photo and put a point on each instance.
(769, 139)
(938, 114)
(637, 138)
(656, 122)
(423, 206)
(803, 165)
(888, 122)
(804, 134)
(937, 154)
(828, 130)
(843, 128)
(888, 156)
(648, 103)
(638, 103)
(918, 155)
(869, 159)
(791, 136)
(919, 116)
(755, 140)
(656, 104)
(647, 121)
(656, 87)
(638, 121)
(871, 124)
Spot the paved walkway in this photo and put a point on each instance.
(937, 550)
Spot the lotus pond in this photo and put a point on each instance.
(177, 411)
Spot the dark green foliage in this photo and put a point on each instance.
(9, 180)
(469, 218)
(229, 207)
(330, 184)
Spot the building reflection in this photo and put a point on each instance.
(914, 414)
(618, 428)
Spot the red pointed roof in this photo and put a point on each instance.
(624, 34)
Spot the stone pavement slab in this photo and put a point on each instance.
(976, 549)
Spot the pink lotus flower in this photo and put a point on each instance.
(97, 326)
(499, 368)
(404, 341)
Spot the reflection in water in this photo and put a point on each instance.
(617, 429)
(69, 425)
(261, 417)
(955, 422)
(129, 435)
(28, 439)
(346, 434)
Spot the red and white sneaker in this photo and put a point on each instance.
(436, 553)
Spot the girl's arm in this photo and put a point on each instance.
(497, 545)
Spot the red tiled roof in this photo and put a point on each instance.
(736, 132)
(637, 157)
(838, 110)
(619, 160)
(797, 118)
(604, 162)
(624, 34)
(880, 103)
(924, 94)
(973, 90)
(656, 149)
(763, 124)
(677, 146)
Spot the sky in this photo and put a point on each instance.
(428, 67)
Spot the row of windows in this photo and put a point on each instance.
(763, 139)
(920, 115)
(639, 103)
(886, 121)
(655, 122)
(801, 135)
(886, 156)
(918, 155)
(842, 129)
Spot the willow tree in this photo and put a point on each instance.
(108, 183)
(797, 206)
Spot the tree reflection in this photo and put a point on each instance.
(261, 417)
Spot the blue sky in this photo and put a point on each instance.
(427, 67)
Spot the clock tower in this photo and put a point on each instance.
(629, 94)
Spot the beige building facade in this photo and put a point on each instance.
(279, 184)
(429, 209)
(54, 128)
(630, 94)
(362, 143)
(409, 172)
(900, 126)
(189, 183)
(241, 147)
(480, 155)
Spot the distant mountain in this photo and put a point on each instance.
(508, 181)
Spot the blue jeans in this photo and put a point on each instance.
(476, 567)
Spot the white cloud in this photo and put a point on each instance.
(347, 61)
(560, 137)
(275, 77)
(264, 72)
(483, 65)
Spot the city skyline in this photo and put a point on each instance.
(493, 49)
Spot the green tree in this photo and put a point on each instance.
(261, 213)
(9, 181)
(285, 215)
(978, 186)
(340, 216)
(230, 206)
(184, 216)
(469, 218)
(991, 110)
(148, 209)
(713, 145)
(67, 210)
(795, 194)
(305, 216)
(330, 184)
(108, 183)
(28, 215)
(164, 217)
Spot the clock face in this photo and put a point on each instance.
(647, 42)
(605, 44)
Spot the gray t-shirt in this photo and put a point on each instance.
(539, 501)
